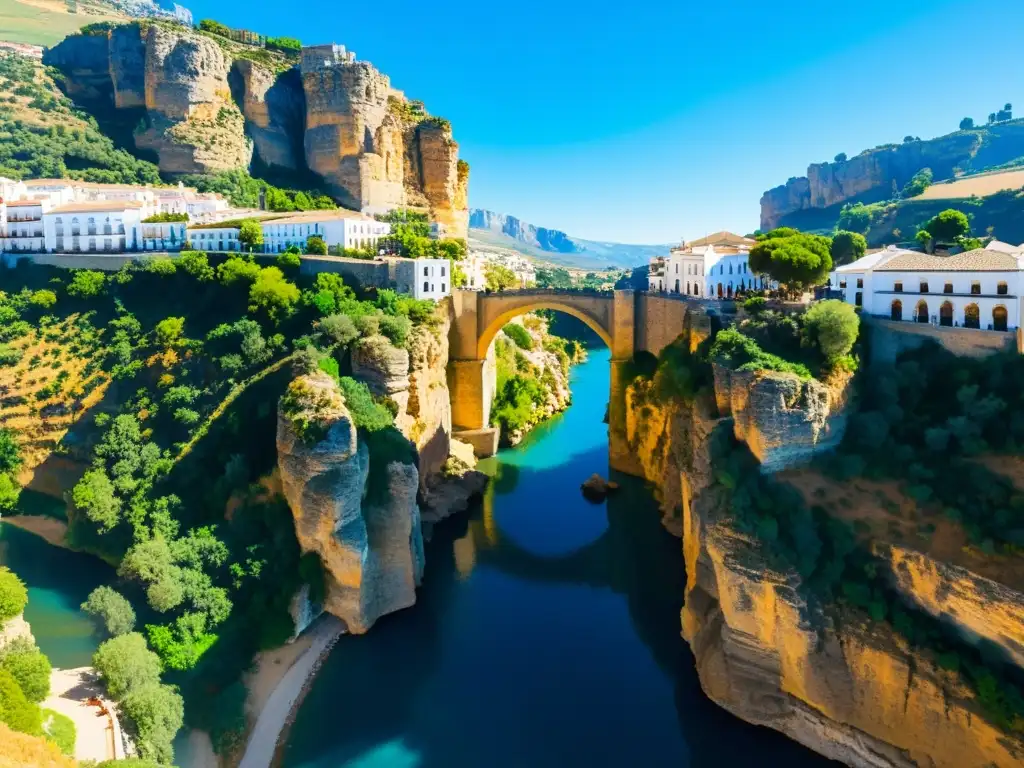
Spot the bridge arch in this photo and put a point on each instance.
(502, 317)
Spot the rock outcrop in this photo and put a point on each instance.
(876, 174)
(370, 544)
(854, 692)
(206, 104)
(784, 420)
(539, 237)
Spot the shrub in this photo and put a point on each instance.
(288, 260)
(316, 246)
(271, 293)
(86, 283)
(366, 413)
(368, 325)
(339, 329)
(238, 269)
(125, 663)
(60, 729)
(169, 330)
(9, 356)
(196, 264)
(755, 305)
(164, 267)
(10, 491)
(833, 326)
(30, 668)
(16, 711)
(111, 609)
(396, 328)
(13, 595)
(156, 712)
(734, 350)
(10, 450)
(43, 299)
(519, 335)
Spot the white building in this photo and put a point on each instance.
(21, 226)
(105, 226)
(422, 278)
(339, 229)
(715, 266)
(977, 289)
(198, 205)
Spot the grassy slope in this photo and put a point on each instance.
(46, 22)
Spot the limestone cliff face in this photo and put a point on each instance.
(871, 175)
(854, 693)
(372, 552)
(785, 420)
(364, 139)
(980, 608)
(207, 108)
(274, 107)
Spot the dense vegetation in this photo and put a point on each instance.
(25, 677)
(43, 135)
(244, 191)
(198, 353)
(563, 279)
(791, 258)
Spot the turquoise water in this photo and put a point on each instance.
(58, 582)
(546, 633)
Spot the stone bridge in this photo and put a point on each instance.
(627, 321)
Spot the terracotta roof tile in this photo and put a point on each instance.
(978, 260)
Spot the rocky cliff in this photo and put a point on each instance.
(207, 103)
(540, 237)
(876, 174)
(850, 689)
(370, 544)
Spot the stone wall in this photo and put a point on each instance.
(77, 261)
(364, 272)
(889, 338)
(661, 318)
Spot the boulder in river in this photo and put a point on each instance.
(596, 488)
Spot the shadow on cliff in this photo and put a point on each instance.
(379, 699)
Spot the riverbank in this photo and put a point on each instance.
(53, 531)
(79, 695)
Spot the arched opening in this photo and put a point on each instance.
(729, 290)
(999, 318)
(719, 290)
(687, 287)
(946, 314)
(896, 311)
(677, 285)
(972, 316)
(921, 313)
(487, 335)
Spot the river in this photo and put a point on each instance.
(546, 633)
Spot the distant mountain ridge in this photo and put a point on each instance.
(554, 245)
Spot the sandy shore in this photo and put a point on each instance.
(50, 529)
(282, 686)
(70, 691)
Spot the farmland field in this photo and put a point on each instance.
(981, 185)
(44, 22)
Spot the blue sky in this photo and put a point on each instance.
(650, 122)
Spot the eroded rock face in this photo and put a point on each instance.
(372, 551)
(872, 175)
(854, 693)
(274, 108)
(785, 420)
(127, 52)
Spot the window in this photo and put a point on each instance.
(947, 287)
(442, 287)
(860, 282)
(442, 272)
(975, 288)
(924, 287)
(426, 287)
(897, 287)
(859, 299)
(425, 272)
(1001, 288)
(677, 268)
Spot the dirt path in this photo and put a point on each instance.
(52, 530)
(280, 704)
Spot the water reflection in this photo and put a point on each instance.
(546, 634)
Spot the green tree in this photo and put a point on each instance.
(10, 450)
(847, 247)
(238, 269)
(339, 329)
(157, 713)
(16, 711)
(86, 283)
(967, 124)
(250, 234)
(13, 595)
(43, 299)
(833, 327)
(272, 294)
(111, 609)
(841, 157)
(316, 246)
(10, 492)
(948, 225)
(791, 258)
(94, 495)
(168, 331)
(30, 668)
(126, 663)
(924, 237)
(499, 277)
(919, 183)
(289, 259)
(197, 264)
